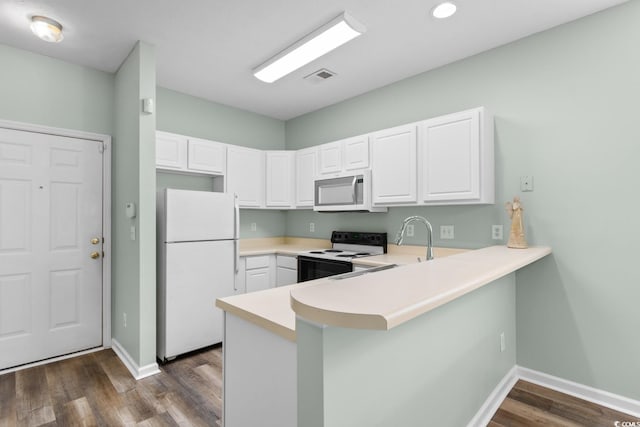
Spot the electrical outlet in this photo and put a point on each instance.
(446, 232)
(132, 232)
(496, 232)
(410, 230)
(503, 344)
(312, 227)
(526, 183)
(124, 319)
(254, 226)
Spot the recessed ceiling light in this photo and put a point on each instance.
(444, 10)
(323, 40)
(47, 29)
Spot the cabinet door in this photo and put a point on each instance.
(305, 176)
(356, 153)
(257, 280)
(286, 276)
(245, 175)
(450, 151)
(330, 158)
(393, 168)
(207, 156)
(171, 151)
(280, 183)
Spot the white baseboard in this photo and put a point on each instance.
(600, 397)
(138, 372)
(581, 391)
(493, 402)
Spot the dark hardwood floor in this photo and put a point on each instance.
(97, 390)
(529, 404)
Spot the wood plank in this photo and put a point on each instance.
(514, 413)
(570, 407)
(77, 413)
(8, 417)
(32, 395)
(118, 374)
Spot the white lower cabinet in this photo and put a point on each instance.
(286, 270)
(259, 272)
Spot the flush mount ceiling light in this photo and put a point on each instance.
(47, 29)
(444, 10)
(321, 41)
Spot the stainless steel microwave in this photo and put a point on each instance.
(347, 192)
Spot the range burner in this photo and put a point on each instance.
(316, 252)
(333, 250)
(362, 253)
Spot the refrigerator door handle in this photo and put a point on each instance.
(236, 218)
(236, 262)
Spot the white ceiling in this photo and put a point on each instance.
(207, 48)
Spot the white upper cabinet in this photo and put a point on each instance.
(280, 172)
(190, 155)
(245, 175)
(344, 155)
(393, 168)
(206, 156)
(171, 151)
(356, 152)
(456, 153)
(330, 158)
(306, 161)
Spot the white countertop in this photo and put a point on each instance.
(378, 300)
(388, 298)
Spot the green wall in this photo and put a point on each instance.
(46, 91)
(565, 106)
(134, 261)
(197, 117)
(435, 370)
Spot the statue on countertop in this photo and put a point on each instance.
(516, 235)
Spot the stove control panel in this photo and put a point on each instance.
(360, 238)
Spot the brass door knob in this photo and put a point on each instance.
(95, 255)
(95, 241)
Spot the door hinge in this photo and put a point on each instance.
(101, 147)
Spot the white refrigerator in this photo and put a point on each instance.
(197, 260)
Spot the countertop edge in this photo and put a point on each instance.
(257, 320)
(385, 321)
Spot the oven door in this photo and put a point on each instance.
(310, 268)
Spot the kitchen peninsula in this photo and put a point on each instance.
(357, 343)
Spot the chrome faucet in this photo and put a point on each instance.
(427, 224)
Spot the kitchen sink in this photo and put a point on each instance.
(361, 272)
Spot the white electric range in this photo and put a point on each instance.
(345, 246)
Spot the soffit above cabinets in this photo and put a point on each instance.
(208, 48)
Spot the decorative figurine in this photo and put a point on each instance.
(516, 235)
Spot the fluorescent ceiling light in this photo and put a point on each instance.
(47, 29)
(444, 10)
(323, 40)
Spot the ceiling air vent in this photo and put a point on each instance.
(319, 76)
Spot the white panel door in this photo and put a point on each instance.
(330, 157)
(280, 185)
(356, 153)
(305, 176)
(207, 156)
(394, 165)
(171, 151)
(245, 175)
(450, 147)
(50, 217)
